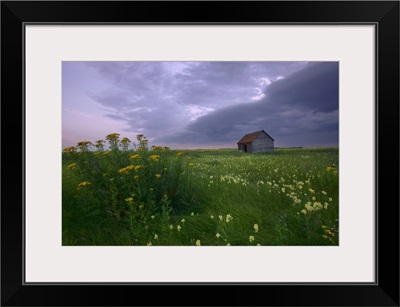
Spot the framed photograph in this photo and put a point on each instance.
(241, 153)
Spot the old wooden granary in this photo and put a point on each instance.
(254, 142)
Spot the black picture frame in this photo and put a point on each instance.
(383, 14)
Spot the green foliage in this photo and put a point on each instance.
(131, 194)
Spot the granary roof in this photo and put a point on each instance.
(248, 138)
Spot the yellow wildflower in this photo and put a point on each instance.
(198, 243)
(255, 227)
(135, 156)
(251, 238)
(155, 158)
(112, 136)
(129, 199)
(72, 166)
(158, 175)
(83, 184)
(106, 153)
(70, 149)
(126, 169)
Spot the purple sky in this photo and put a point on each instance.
(201, 104)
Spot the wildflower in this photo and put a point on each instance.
(155, 236)
(198, 243)
(134, 157)
(309, 207)
(141, 206)
(72, 166)
(192, 214)
(83, 184)
(137, 168)
(153, 217)
(129, 199)
(228, 244)
(258, 244)
(158, 175)
(251, 238)
(329, 168)
(112, 136)
(136, 177)
(212, 216)
(330, 199)
(217, 235)
(179, 153)
(140, 149)
(149, 244)
(106, 153)
(183, 221)
(323, 192)
(220, 217)
(155, 158)
(326, 205)
(84, 143)
(329, 232)
(256, 227)
(191, 164)
(317, 205)
(70, 149)
(171, 227)
(179, 227)
(126, 169)
(228, 218)
(304, 211)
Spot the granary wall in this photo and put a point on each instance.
(263, 144)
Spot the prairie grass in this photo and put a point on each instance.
(124, 193)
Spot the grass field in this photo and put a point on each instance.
(130, 194)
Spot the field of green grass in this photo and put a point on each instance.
(118, 192)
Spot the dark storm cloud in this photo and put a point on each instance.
(300, 110)
(168, 95)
